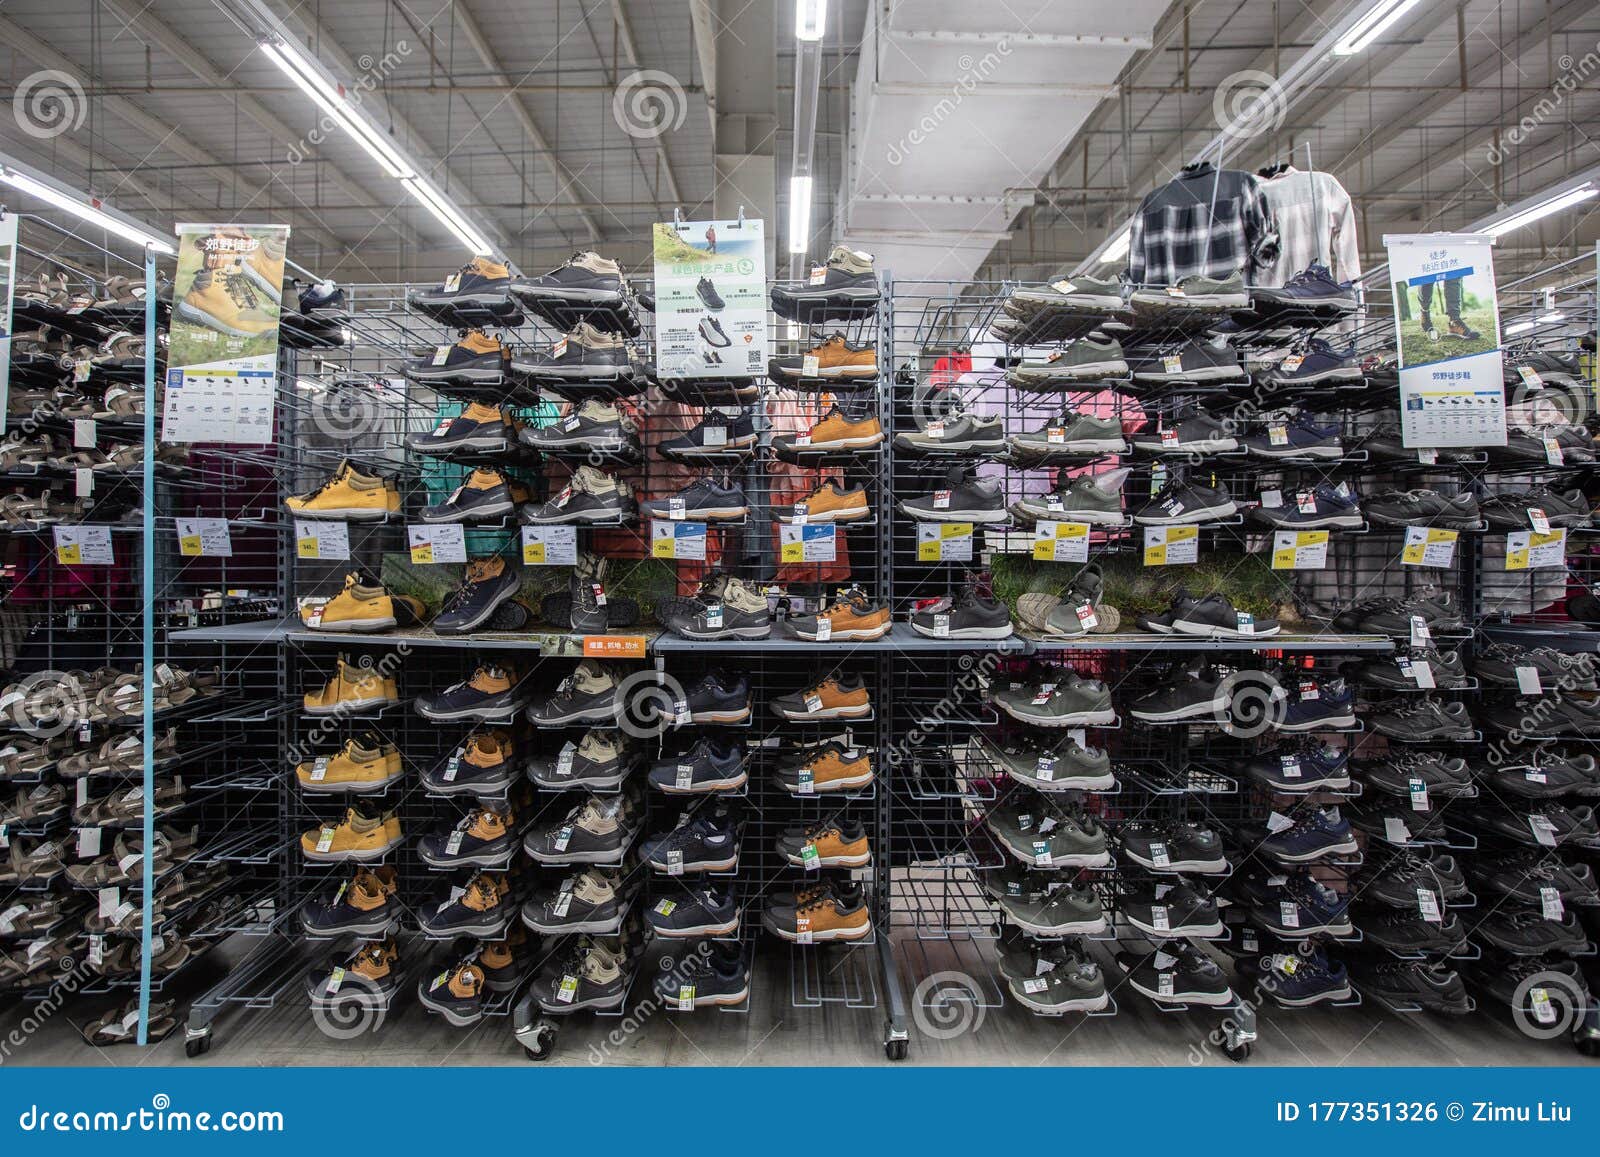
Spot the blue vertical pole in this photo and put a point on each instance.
(148, 633)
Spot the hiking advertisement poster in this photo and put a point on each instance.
(711, 299)
(8, 277)
(1447, 324)
(223, 353)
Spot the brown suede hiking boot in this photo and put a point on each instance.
(352, 688)
(834, 434)
(827, 503)
(834, 768)
(361, 607)
(455, 994)
(852, 617)
(829, 844)
(830, 699)
(359, 836)
(364, 905)
(365, 764)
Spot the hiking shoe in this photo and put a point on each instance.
(1548, 774)
(597, 831)
(1393, 616)
(734, 610)
(1408, 932)
(852, 617)
(838, 843)
(1306, 767)
(477, 908)
(1059, 978)
(482, 765)
(1317, 834)
(708, 295)
(1065, 701)
(835, 434)
(1164, 910)
(361, 835)
(714, 435)
(600, 761)
(1192, 692)
(719, 696)
(1174, 847)
(845, 286)
(352, 689)
(1542, 822)
(1298, 436)
(1194, 361)
(1554, 445)
(835, 911)
(1546, 716)
(587, 279)
(224, 301)
(1313, 290)
(1177, 973)
(1405, 672)
(1318, 363)
(1215, 617)
(593, 975)
(487, 585)
(1193, 293)
(1084, 360)
(590, 496)
(965, 498)
(481, 284)
(1397, 880)
(712, 333)
(481, 838)
(1038, 832)
(1532, 933)
(1553, 508)
(366, 974)
(1303, 906)
(1068, 767)
(972, 614)
(1079, 293)
(349, 495)
(1323, 506)
(1160, 623)
(1317, 705)
(701, 911)
(836, 697)
(489, 696)
(708, 766)
(595, 901)
(708, 841)
(1307, 978)
(1530, 877)
(718, 977)
(1077, 610)
(1071, 910)
(963, 434)
(594, 427)
(1096, 500)
(1410, 984)
(827, 503)
(1423, 719)
(587, 695)
(585, 354)
(1188, 432)
(703, 500)
(835, 360)
(364, 905)
(1069, 435)
(486, 496)
(475, 359)
(362, 765)
(1424, 774)
(831, 768)
(1424, 508)
(1186, 503)
(455, 994)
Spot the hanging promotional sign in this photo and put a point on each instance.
(1447, 327)
(8, 272)
(711, 299)
(223, 353)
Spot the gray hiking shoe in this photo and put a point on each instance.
(959, 434)
(1081, 294)
(1064, 980)
(1070, 767)
(1070, 435)
(1072, 702)
(1068, 911)
(1036, 832)
(1096, 500)
(1084, 360)
(1194, 293)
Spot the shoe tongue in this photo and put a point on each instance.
(590, 678)
(597, 746)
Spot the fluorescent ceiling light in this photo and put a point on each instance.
(87, 209)
(1540, 211)
(331, 99)
(1550, 318)
(449, 216)
(1374, 23)
(1517, 327)
(799, 213)
(810, 19)
(1118, 249)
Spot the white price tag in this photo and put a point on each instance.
(437, 542)
(204, 537)
(550, 545)
(83, 545)
(1429, 546)
(1061, 542)
(1528, 681)
(681, 540)
(321, 540)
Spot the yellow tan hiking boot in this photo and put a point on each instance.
(371, 970)
(352, 688)
(348, 496)
(840, 843)
(836, 359)
(455, 994)
(362, 606)
(828, 503)
(263, 266)
(852, 617)
(835, 434)
(359, 836)
(479, 909)
(364, 905)
(833, 698)
(835, 910)
(224, 300)
(833, 768)
(485, 837)
(361, 764)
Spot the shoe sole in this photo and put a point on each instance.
(589, 927)
(374, 928)
(698, 866)
(1188, 517)
(1349, 847)
(606, 515)
(573, 442)
(474, 376)
(731, 446)
(475, 860)
(1198, 931)
(1004, 632)
(585, 715)
(1217, 707)
(854, 634)
(1421, 736)
(1083, 372)
(477, 300)
(838, 445)
(1204, 446)
(1079, 1004)
(600, 858)
(720, 716)
(360, 857)
(1209, 999)
(1294, 452)
(710, 787)
(1344, 993)
(705, 514)
(596, 1002)
(1318, 725)
(1093, 860)
(480, 514)
(362, 787)
(354, 626)
(726, 633)
(216, 325)
(348, 705)
(1204, 374)
(483, 445)
(823, 936)
(851, 784)
(826, 713)
(1165, 302)
(725, 1000)
(546, 295)
(1212, 631)
(1343, 374)
(493, 787)
(1090, 517)
(1071, 928)
(825, 516)
(1077, 446)
(1203, 867)
(488, 930)
(1327, 522)
(983, 516)
(1343, 929)
(450, 1014)
(832, 373)
(344, 515)
(574, 373)
(727, 929)
(1070, 783)
(483, 714)
(1441, 523)
(1076, 719)
(832, 861)
(987, 446)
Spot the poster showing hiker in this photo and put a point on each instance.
(711, 298)
(223, 353)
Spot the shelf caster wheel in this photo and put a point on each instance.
(544, 1043)
(895, 1050)
(1237, 1053)
(1587, 1046)
(197, 1046)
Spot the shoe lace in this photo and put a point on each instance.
(240, 290)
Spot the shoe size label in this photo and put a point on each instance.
(810, 858)
(1543, 830)
(563, 838)
(1288, 914)
(319, 769)
(1160, 920)
(675, 862)
(1428, 906)
(684, 779)
(1550, 904)
(1159, 855)
(325, 839)
(567, 991)
(1429, 546)
(1278, 435)
(806, 784)
(562, 904)
(685, 1000)
(1419, 795)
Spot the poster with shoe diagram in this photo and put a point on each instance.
(1447, 325)
(222, 356)
(711, 299)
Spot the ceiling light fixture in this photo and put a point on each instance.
(799, 214)
(810, 19)
(86, 208)
(1540, 211)
(1118, 249)
(330, 97)
(449, 216)
(1373, 23)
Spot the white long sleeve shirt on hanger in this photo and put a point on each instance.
(1316, 222)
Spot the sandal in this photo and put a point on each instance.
(118, 1026)
(24, 512)
(125, 806)
(123, 401)
(18, 450)
(80, 460)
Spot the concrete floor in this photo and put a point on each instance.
(774, 1032)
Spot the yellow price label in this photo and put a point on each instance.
(664, 547)
(1286, 555)
(533, 553)
(69, 555)
(189, 546)
(928, 550)
(1155, 555)
(1414, 552)
(422, 552)
(306, 548)
(793, 552)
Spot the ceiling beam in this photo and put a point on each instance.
(702, 22)
(630, 51)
